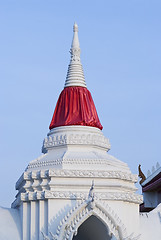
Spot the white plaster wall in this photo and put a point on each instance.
(10, 225)
(150, 224)
(128, 213)
(57, 209)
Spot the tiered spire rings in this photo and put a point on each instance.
(75, 75)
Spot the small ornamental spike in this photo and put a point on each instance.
(91, 196)
(75, 43)
(91, 192)
(75, 75)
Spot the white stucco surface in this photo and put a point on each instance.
(10, 226)
(150, 224)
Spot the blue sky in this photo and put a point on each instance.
(120, 44)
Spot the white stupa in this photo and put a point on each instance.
(75, 190)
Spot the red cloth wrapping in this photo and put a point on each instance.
(75, 106)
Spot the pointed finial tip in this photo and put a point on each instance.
(75, 27)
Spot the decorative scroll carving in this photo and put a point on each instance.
(45, 237)
(46, 174)
(75, 217)
(96, 174)
(53, 236)
(121, 196)
(36, 185)
(76, 139)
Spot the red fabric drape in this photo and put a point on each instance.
(75, 106)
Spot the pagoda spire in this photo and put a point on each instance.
(75, 75)
(75, 105)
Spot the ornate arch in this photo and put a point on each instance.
(82, 211)
(69, 225)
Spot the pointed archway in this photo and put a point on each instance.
(92, 229)
(97, 213)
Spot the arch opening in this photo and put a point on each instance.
(93, 229)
